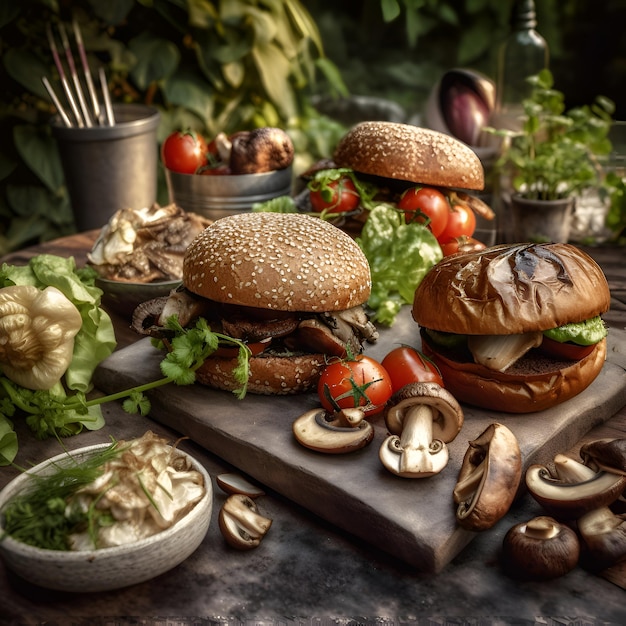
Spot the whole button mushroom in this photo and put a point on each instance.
(488, 479)
(540, 549)
(422, 418)
(603, 535)
(572, 489)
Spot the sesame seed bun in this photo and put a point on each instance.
(278, 261)
(410, 153)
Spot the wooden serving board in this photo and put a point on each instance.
(412, 519)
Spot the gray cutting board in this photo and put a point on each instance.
(412, 519)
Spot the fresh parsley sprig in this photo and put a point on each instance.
(56, 413)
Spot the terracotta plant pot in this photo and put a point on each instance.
(541, 220)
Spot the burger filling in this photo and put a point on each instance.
(502, 353)
(335, 333)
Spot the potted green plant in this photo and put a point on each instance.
(554, 157)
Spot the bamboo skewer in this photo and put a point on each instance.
(72, 67)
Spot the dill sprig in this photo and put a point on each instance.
(39, 516)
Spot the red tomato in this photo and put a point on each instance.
(428, 204)
(566, 350)
(184, 152)
(461, 221)
(334, 196)
(405, 365)
(461, 244)
(359, 382)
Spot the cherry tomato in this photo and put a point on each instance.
(565, 350)
(461, 221)
(347, 384)
(334, 196)
(184, 152)
(405, 365)
(461, 244)
(428, 204)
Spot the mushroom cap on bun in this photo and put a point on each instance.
(278, 261)
(511, 289)
(410, 153)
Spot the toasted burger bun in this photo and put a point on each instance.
(277, 261)
(269, 375)
(551, 383)
(274, 262)
(410, 153)
(508, 290)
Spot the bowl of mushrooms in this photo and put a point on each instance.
(124, 513)
(249, 167)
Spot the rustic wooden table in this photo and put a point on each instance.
(308, 570)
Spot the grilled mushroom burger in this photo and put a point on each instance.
(291, 286)
(515, 328)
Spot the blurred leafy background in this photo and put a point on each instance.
(228, 65)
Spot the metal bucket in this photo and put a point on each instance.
(108, 168)
(218, 196)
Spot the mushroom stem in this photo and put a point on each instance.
(416, 439)
(571, 471)
(248, 520)
(542, 528)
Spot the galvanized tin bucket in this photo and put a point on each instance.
(222, 195)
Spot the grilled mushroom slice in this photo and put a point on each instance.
(241, 524)
(573, 489)
(422, 418)
(489, 478)
(333, 433)
(540, 549)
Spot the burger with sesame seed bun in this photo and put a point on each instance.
(291, 286)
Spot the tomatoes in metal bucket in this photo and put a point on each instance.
(184, 152)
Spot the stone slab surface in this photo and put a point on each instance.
(411, 519)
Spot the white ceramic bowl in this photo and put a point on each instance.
(107, 568)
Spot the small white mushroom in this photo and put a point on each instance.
(488, 479)
(333, 433)
(422, 418)
(241, 524)
(540, 549)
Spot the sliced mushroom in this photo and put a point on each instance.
(603, 535)
(489, 478)
(574, 489)
(333, 433)
(235, 483)
(540, 549)
(422, 418)
(241, 524)
(605, 454)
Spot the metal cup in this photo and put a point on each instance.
(108, 168)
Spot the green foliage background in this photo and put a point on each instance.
(234, 64)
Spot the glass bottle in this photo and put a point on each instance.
(524, 53)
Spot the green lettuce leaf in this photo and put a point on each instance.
(399, 255)
(582, 333)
